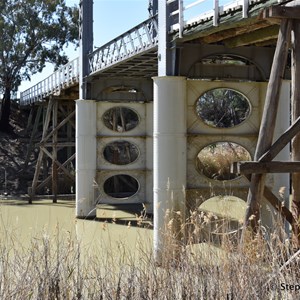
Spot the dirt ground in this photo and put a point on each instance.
(14, 177)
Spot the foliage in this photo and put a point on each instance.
(215, 160)
(223, 107)
(33, 32)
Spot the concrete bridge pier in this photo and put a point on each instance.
(85, 158)
(169, 155)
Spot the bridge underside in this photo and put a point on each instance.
(236, 55)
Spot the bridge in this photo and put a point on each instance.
(134, 53)
(164, 110)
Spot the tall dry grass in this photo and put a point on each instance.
(215, 160)
(196, 267)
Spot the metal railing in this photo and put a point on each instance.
(66, 76)
(189, 12)
(137, 40)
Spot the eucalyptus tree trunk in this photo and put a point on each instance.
(5, 111)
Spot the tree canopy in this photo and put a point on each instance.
(33, 32)
(223, 107)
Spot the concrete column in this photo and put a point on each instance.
(169, 155)
(85, 158)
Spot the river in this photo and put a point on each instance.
(22, 223)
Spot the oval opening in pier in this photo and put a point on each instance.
(121, 152)
(120, 119)
(223, 108)
(222, 214)
(214, 160)
(121, 186)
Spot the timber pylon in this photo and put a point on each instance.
(266, 151)
(55, 164)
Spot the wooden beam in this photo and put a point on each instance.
(29, 121)
(54, 152)
(283, 12)
(66, 114)
(49, 178)
(233, 32)
(68, 97)
(282, 141)
(59, 144)
(58, 164)
(253, 37)
(267, 127)
(266, 43)
(277, 204)
(250, 167)
(295, 103)
(41, 153)
(57, 127)
(56, 144)
(69, 132)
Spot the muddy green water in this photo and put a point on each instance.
(22, 223)
(23, 227)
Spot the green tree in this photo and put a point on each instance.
(223, 107)
(33, 32)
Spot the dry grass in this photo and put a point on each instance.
(55, 268)
(214, 160)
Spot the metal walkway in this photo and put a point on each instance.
(131, 52)
(134, 53)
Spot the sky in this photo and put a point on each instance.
(111, 18)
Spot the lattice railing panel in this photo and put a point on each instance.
(129, 44)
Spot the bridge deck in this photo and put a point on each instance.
(134, 53)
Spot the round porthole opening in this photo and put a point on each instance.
(121, 186)
(223, 108)
(214, 160)
(228, 214)
(121, 153)
(120, 119)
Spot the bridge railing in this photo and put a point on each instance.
(138, 39)
(135, 41)
(64, 77)
(189, 12)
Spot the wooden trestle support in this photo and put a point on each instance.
(288, 38)
(56, 146)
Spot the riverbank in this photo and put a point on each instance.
(46, 253)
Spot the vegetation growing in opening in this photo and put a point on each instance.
(214, 160)
(222, 107)
(120, 119)
(121, 152)
(229, 212)
(224, 59)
